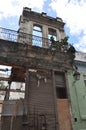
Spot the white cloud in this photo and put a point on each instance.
(81, 45)
(73, 13)
(10, 8)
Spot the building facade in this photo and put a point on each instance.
(45, 72)
(39, 26)
(77, 90)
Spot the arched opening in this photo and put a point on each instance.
(52, 33)
(37, 35)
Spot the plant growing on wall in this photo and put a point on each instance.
(55, 45)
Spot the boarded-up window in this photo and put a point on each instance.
(60, 85)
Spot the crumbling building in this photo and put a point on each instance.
(43, 69)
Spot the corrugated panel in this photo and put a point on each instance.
(59, 80)
(41, 97)
(11, 123)
(12, 108)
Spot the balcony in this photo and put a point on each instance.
(24, 38)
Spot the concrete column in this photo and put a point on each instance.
(45, 36)
(29, 29)
(63, 34)
(58, 34)
(25, 32)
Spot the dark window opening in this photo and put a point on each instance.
(84, 76)
(61, 91)
(85, 82)
(75, 119)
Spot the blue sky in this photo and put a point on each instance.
(73, 13)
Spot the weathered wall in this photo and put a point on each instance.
(39, 106)
(17, 54)
(12, 115)
(30, 18)
(40, 89)
(11, 123)
(77, 92)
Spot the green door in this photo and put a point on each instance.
(77, 94)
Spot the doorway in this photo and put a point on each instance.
(63, 108)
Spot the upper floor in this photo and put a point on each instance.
(41, 26)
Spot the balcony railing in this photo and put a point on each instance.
(8, 34)
(24, 38)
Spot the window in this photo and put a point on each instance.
(52, 33)
(37, 35)
(5, 72)
(61, 91)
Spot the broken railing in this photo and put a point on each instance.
(21, 37)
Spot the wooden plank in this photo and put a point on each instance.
(64, 118)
